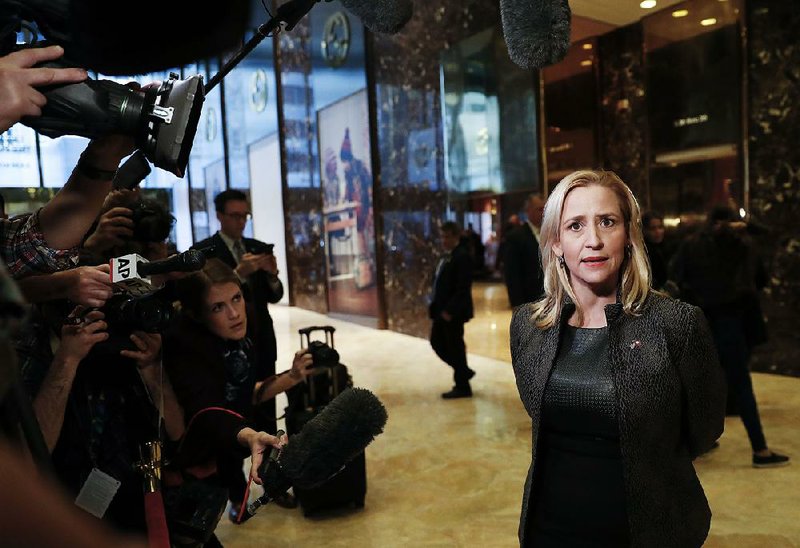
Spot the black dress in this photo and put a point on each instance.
(578, 487)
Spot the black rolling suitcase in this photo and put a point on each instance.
(328, 378)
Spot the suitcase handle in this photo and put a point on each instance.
(308, 330)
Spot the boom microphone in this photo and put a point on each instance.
(537, 32)
(384, 16)
(341, 431)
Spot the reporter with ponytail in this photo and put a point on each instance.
(621, 382)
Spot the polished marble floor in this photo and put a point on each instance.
(450, 473)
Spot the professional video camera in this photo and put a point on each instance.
(138, 303)
(163, 119)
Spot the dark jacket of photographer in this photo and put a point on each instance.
(670, 393)
(107, 416)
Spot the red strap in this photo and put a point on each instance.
(157, 532)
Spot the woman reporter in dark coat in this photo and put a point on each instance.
(622, 384)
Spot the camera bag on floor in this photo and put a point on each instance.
(328, 378)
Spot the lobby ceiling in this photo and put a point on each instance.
(616, 12)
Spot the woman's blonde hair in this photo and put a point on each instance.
(635, 269)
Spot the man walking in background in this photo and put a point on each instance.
(523, 267)
(451, 308)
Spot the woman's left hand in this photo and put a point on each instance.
(149, 349)
(259, 443)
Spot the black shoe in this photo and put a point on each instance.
(457, 392)
(770, 461)
(286, 500)
(471, 374)
(233, 513)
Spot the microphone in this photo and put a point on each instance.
(132, 272)
(537, 32)
(340, 432)
(188, 261)
(383, 16)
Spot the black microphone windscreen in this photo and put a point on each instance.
(537, 32)
(188, 261)
(384, 16)
(342, 430)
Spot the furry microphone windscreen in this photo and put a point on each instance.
(537, 32)
(383, 16)
(331, 439)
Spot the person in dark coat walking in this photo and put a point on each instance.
(522, 266)
(622, 384)
(451, 308)
(717, 269)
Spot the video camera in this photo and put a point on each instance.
(138, 303)
(162, 119)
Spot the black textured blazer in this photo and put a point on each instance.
(670, 393)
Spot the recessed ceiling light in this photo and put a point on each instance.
(586, 63)
(708, 22)
(587, 46)
(680, 13)
(647, 4)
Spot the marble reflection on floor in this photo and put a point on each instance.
(450, 473)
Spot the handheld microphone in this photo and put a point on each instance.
(340, 432)
(132, 272)
(188, 261)
(383, 16)
(537, 32)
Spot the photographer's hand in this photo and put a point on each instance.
(114, 227)
(149, 350)
(18, 96)
(302, 365)
(78, 336)
(148, 361)
(258, 442)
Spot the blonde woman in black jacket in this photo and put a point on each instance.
(622, 384)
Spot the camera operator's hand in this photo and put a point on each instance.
(301, 365)
(18, 96)
(258, 442)
(106, 152)
(149, 353)
(114, 227)
(79, 335)
(89, 285)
